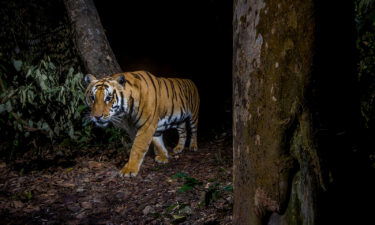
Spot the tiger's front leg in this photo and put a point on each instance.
(138, 151)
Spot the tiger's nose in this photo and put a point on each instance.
(98, 117)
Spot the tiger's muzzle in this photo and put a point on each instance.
(100, 121)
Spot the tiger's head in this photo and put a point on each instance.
(107, 98)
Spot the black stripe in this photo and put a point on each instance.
(131, 99)
(170, 115)
(183, 104)
(129, 83)
(122, 101)
(181, 95)
(182, 89)
(158, 79)
(178, 85)
(156, 97)
(188, 96)
(115, 96)
(140, 115)
(140, 108)
(101, 85)
(194, 119)
(152, 80)
(181, 131)
(136, 76)
(139, 105)
(144, 79)
(166, 87)
(157, 134)
(173, 89)
(181, 113)
(194, 96)
(143, 123)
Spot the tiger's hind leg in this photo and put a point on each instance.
(181, 129)
(193, 123)
(160, 150)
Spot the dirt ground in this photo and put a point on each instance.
(193, 188)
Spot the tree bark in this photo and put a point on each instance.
(90, 38)
(276, 165)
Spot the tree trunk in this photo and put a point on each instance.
(90, 39)
(276, 165)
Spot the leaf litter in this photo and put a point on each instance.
(193, 188)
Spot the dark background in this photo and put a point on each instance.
(343, 141)
(193, 39)
(186, 39)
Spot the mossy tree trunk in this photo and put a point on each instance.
(276, 166)
(90, 39)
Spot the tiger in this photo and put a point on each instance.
(146, 106)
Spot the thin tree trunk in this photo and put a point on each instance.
(272, 130)
(90, 39)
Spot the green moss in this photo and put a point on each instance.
(293, 214)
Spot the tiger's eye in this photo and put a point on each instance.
(92, 97)
(108, 98)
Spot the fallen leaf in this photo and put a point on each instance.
(119, 209)
(120, 195)
(86, 205)
(69, 169)
(73, 207)
(94, 165)
(148, 209)
(186, 210)
(17, 204)
(66, 184)
(80, 190)
(3, 165)
(81, 215)
(31, 208)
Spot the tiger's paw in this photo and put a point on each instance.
(161, 159)
(193, 147)
(178, 149)
(128, 171)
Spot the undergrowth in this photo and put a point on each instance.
(43, 105)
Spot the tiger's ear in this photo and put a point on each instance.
(121, 80)
(89, 78)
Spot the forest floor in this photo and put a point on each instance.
(84, 188)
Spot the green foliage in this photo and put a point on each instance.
(41, 96)
(41, 104)
(42, 101)
(180, 175)
(24, 196)
(365, 23)
(216, 191)
(177, 212)
(364, 5)
(33, 90)
(30, 30)
(189, 182)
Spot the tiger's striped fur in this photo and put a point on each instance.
(146, 106)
